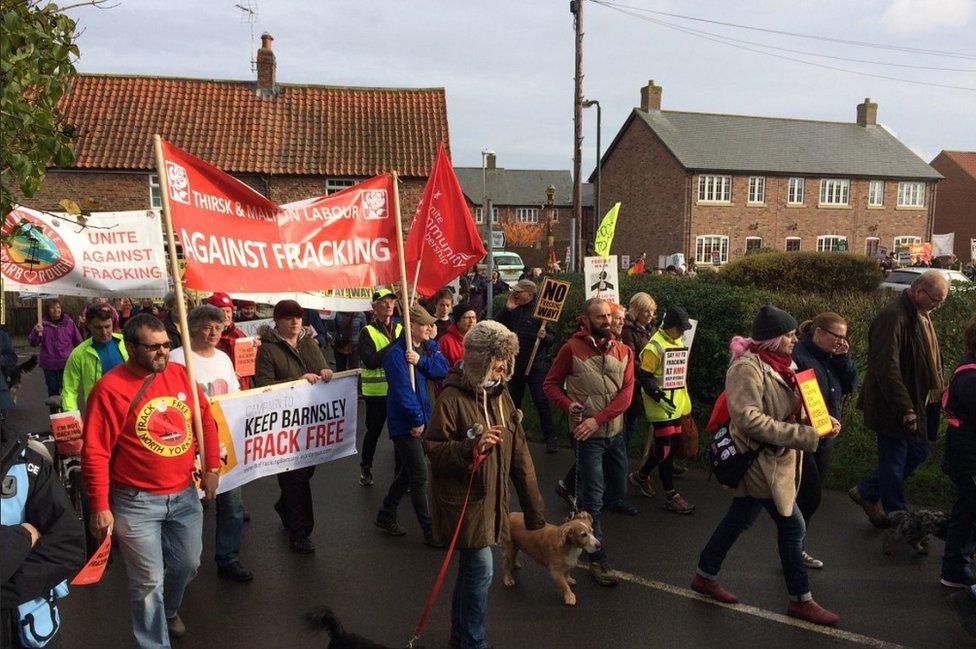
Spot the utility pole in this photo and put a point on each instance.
(576, 8)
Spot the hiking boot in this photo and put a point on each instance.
(551, 445)
(811, 562)
(365, 476)
(235, 571)
(675, 502)
(431, 541)
(643, 484)
(964, 604)
(711, 588)
(603, 574)
(565, 494)
(175, 626)
(873, 510)
(302, 544)
(622, 507)
(812, 612)
(391, 527)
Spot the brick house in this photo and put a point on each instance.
(519, 196)
(955, 210)
(715, 186)
(287, 141)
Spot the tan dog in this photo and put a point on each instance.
(556, 547)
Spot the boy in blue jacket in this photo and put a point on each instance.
(407, 413)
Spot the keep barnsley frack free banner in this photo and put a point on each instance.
(283, 427)
(236, 240)
(117, 254)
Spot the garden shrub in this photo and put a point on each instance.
(804, 272)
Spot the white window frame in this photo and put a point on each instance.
(711, 241)
(911, 194)
(799, 244)
(835, 191)
(526, 214)
(876, 193)
(827, 242)
(904, 240)
(795, 189)
(757, 190)
(715, 189)
(750, 239)
(155, 193)
(333, 185)
(867, 246)
(479, 216)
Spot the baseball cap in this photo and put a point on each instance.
(419, 315)
(676, 317)
(384, 293)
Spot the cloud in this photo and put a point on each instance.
(916, 17)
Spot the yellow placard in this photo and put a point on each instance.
(813, 402)
(552, 297)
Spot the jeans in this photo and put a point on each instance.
(160, 537)
(897, 459)
(614, 477)
(516, 388)
(230, 527)
(790, 531)
(815, 468)
(593, 454)
(294, 505)
(53, 379)
(469, 605)
(412, 475)
(960, 542)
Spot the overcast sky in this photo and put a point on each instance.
(507, 65)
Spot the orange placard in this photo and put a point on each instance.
(245, 353)
(813, 402)
(91, 572)
(66, 426)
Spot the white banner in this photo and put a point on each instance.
(353, 299)
(601, 278)
(117, 254)
(283, 427)
(942, 244)
(250, 327)
(688, 337)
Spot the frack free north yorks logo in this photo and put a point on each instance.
(33, 253)
(164, 426)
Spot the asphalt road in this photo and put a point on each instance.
(377, 584)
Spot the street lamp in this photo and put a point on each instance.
(587, 103)
(486, 211)
(550, 239)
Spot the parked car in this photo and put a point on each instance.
(901, 278)
(508, 264)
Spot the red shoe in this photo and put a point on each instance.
(812, 612)
(711, 588)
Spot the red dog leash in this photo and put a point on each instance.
(429, 604)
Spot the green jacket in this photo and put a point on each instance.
(82, 370)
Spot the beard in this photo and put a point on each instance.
(600, 333)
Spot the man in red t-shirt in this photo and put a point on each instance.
(137, 462)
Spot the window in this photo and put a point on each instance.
(333, 185)
(876, 193)
(834, 191)
(905, 277)
(479, 216)
(792, 244)
(831, 243)
(555, 216)
(753, 243)
(714, 189)
(795, 194)
(911, 194)
(527, 214)
(905, 240)
(155, 198)
(757, 189)
(711, 248)
(871, 246)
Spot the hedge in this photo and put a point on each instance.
(807, 272)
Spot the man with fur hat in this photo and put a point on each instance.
(597, 371)
(476, 427)
(517, 316)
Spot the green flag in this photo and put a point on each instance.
(604, 234)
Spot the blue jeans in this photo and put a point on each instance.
(897, 459)
(230, 527)
(53, 380)
(960, 541)
(469, 605)
(161, 541)
(790, 531)
(593, 482)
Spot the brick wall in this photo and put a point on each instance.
(955, 206)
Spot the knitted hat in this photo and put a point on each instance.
(526, 286)
(220, 300)
(458, 312)
(288, 309)
(485, 342)
(771, 323)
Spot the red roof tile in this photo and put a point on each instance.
(315, 130)
(965, 159)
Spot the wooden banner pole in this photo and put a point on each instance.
(404, 293)
(535, 349)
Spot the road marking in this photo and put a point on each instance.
(839, 634)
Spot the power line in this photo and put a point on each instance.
(883, 46)
(726, 41)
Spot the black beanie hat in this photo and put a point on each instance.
(458, 312)
(771, 322)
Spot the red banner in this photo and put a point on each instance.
(236, 240)
(443, 236)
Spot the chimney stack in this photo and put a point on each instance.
(867, 113)
(266, 67)
(490, 162)
(651, 97)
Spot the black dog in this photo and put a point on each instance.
(15, 373)
(914, 528)
(324, 618)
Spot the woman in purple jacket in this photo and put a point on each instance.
(56, 335)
